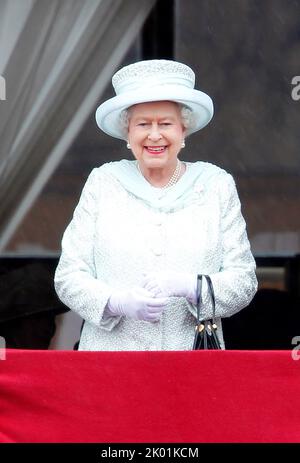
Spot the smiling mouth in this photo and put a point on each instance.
(155, 149)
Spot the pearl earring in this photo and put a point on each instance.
(183, 144)
(128, 146)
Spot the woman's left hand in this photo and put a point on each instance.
(167, 284)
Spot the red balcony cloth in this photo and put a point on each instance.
(190, 397)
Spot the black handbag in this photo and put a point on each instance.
(205, 332)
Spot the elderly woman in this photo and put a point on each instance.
(145, 228)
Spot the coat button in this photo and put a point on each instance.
(158, 220)
(157, 251)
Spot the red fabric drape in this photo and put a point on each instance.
(195, 397)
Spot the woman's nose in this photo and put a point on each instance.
(154, 133)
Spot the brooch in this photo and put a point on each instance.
(198, 193)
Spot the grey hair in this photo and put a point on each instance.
(187, 118)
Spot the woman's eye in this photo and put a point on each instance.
(165, 123)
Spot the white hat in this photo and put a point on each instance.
(153, 80)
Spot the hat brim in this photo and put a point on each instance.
(108, 113)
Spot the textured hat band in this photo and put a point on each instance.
(152, 81)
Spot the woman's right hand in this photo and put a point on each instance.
(137, 303)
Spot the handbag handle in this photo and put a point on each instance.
(199, 295)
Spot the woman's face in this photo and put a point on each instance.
(155, 133)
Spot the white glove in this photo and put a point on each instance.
(167, 284)
(136, 303)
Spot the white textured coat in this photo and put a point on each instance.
(117, 234)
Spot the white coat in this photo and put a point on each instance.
(123, 227)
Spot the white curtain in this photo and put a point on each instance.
(57, 56)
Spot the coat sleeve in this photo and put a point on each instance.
(235, 283)
(75, 279)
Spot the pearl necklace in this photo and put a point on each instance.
(174, 177)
